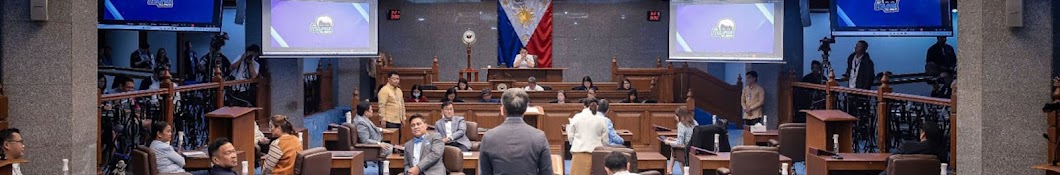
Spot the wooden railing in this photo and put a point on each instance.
(718, 97)
(319, 92)
(125, 118)
(885, 117)
(409, 75)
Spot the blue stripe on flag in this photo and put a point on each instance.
(508, 42)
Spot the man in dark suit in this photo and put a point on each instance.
(423, 154)
(514, 147)
(861, 72)
(142, 58)
(452, 128)
(816, 75)
(931, 142)
(942, 54)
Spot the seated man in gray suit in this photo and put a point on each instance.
(452, 128)
(423, 154)
(368, 133)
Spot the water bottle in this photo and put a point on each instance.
(835, 143)
(66, 166)
(684, 170)
(300, 137)
(784, 169)
(717, 138)
(180, 140)
(714, 119)
(386, 167)
(349, 118)
(764, 121)
(246, 167)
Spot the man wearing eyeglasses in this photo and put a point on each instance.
(13, 148)
(453, 128)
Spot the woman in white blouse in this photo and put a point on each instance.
(524, 59)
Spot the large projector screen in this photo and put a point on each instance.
(726, 30)
(319, 28)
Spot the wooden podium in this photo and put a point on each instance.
(237, 124)
(821, 124)
(522, 74)
(7, 165)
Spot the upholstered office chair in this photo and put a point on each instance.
(453, 160)
(371, 151)
(472, 134)
(914, 164)
(143, 161)
(703, 137)
(753, 160)
(313, 161)
(792, 141)
(600, 154)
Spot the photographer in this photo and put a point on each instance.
(210, 61)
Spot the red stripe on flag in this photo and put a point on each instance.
(540, 43)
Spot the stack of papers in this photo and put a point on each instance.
(196, 154)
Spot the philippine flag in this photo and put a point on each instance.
(524, 23)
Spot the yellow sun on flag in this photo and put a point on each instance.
(525, 15)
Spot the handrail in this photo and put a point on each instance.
(218, 87)
(884, 96)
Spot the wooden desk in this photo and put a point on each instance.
(624, 133)
(332, 136)
(6, 165)
(753, 138)
(647, 161)
(1048, 168)
(352, 160)
(706, 164)
(204, 162)
(821, 124)
(237, 124)
(522, 74)
(397, 162)
(301, 131)
(664, 149)
(860, 162)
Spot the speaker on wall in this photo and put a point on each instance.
(38, 10)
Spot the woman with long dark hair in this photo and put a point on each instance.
(450, 96)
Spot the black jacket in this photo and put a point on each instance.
(866, 73)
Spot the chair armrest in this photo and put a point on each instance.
(332, 126)
(774, 143)
(724, 171)
(363, 146)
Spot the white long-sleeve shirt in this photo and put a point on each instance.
(586, 132)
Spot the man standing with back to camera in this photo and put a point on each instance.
(514, 147)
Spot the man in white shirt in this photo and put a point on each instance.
(524, 60)
(13, 148)
(616, 164)
(453, 128)
(861, 71)
(531, 85)
(586, 132)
